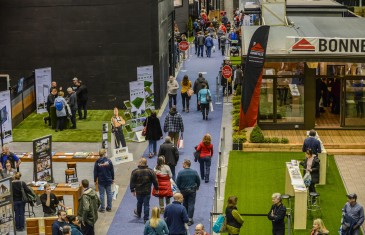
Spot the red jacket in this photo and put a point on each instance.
(164, 186)
(205, 151)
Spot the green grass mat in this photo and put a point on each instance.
(253, 177)
(87, 130)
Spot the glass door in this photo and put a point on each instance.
(353, 102)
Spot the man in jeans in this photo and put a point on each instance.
(188, 181)
(104, 177)
(173, 124)
(140, 184)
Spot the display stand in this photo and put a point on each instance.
(119, 155)
(138, 137)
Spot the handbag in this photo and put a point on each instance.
(208, 97)
(144, 131)
(190, 92)
(196, 154)
(180, 142)
(25, 196)
(307, 179)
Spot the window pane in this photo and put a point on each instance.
(354, 105)
(266, 101)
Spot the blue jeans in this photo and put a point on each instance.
(189, 202)
(209, 51)
(19, 209)
(108, 189)
(205, 163)
(152, 146)
(145, 201)
(200, 50)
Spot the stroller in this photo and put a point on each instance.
(234, 51)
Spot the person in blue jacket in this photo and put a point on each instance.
(176, 216)
(204, 97)
(74, 224)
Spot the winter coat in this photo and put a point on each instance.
(171, 153)
(104, 171)
(161, 228)
(89, 203)
(172, 87)
(315, 169)
(164, 186)
(75, 230)
(198, 84)
(202, 96)
(173, 122)
(62, 113)
(73, 101)
(205, 151)
(81, 93)
(141, 180)
(154, 131)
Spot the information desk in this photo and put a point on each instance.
(64, 189)
(294, 186)
(62, 157)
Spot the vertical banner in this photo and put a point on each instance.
(5, 117)
(42, 159)
(145, 74)
(255, 59)
(137, 99)
(7, 223)
(43, 79)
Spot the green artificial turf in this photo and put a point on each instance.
(88, 130)
(253, 177)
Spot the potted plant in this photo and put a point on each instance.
(237, 141)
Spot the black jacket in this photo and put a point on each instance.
(81, 93)
(279, 215)
(141, 180)
(171, 153)
(315, 169)
(154, 131)
(198, 84)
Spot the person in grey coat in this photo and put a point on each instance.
(352, 216)
(73, 106)
(61, 106)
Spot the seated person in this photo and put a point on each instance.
(8, 171)
(50, 202)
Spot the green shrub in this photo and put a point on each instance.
(235, 111)
(235, 128)
(256, 135)
(236, 97)
(239, 138)
(236, 102)
(267, 140)
(284, 140)
(275, 140)
(238, 90)
(263, 116)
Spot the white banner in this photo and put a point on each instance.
(5, 116)
(137, 97)
(145, 73)
(43, 79)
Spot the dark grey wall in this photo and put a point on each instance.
(182, 16)
(102, 42)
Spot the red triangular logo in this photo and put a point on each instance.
(303, 45)
(257, 47)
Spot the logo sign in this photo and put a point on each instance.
(227, 71)
(183, 46)
(257, 55)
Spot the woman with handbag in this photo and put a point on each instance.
(186, 92)
(153, 133)
(117, 123)
(205, 148)
(164, 175)
(155, 225)
(20, 191)
(204, 97)
(311, 166)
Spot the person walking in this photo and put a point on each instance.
(352, 216)
(174, 124)
(233, 217)
(176, 216)
(277, 215)
(140, 185)
(163, 174)
(62, 109)
(73, 106)
(185, 97)
(153, 133)
(170, 153)
(209, 44)
(312, 143)
(82, 97)
(311, 165)
(74, 223)
(204, 97)
(172, 87)
(88, 208)
(198, 85)
(117, 124)
(104, 178)
(50, 101)
(156, 225)
(201, 42)
(205, 147)
(188, 182)
(319, 228)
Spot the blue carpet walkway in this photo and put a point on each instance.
(195, 127)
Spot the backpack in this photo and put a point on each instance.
(58, 105)
(220, 224)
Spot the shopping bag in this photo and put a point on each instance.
(307, 179)
(213, 49)
(115, 190)
(190, 92)
(180, 142)
(211, 107)
(220, 224)
(174, 187)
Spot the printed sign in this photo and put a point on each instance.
(145, 74)
(5, 117)
(7, 224)
(43, 78)
(42, 159)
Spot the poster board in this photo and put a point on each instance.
(137, 100)
(7, 223)
(104, 136)
(145, 74)
(5, 117)
(119, 155)
(43, 79)
(42, 159)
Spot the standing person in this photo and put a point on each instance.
(199, 230)
(88, 208)
(19, 204)
(57, 226)
(352, 216)
(205, 147)
(312, 143)
(185, 86)
(117, 122)
(8, 171)
(75, 81)
(319, 228)
(153, 134)
(233, 217)
(188, 182)
(73, 106)
(311, 165)
(172, 86)
(163, 174)
(203, 101)
(201, 42)
(176, 216)
(155, 225)
(104, 178)
(238, 78)
(50, 202)
(7, 155)
(170, 153)
(198, 85)
(174, 124)
(74, 224)
(223, 42)
(82, 98)
(61, 112)
(209, 44)
(50, 101)
(140, 184)
(277, 215)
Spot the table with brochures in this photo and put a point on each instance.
(63, 157)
